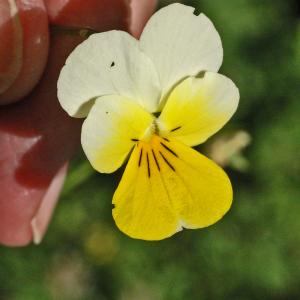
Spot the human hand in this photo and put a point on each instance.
(36, 137)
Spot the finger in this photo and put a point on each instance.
(37, 138)
(24, 45)
(94, 14)
(42, 217)
(141, 10)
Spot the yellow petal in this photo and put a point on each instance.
(199, 107)
(111, 130)
(167, 186)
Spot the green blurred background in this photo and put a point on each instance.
(254, 252)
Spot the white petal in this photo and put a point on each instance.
(107, 63)
(181, 44)
(111, 129)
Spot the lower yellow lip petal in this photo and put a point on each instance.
(167, 186)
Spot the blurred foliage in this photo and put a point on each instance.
(253, 253)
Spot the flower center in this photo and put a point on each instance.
(150, 131)
(156, 128)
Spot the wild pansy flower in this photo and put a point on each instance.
(152, 100)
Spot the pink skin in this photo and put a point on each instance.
(30, 40)
(140, 13)
(37, 138)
